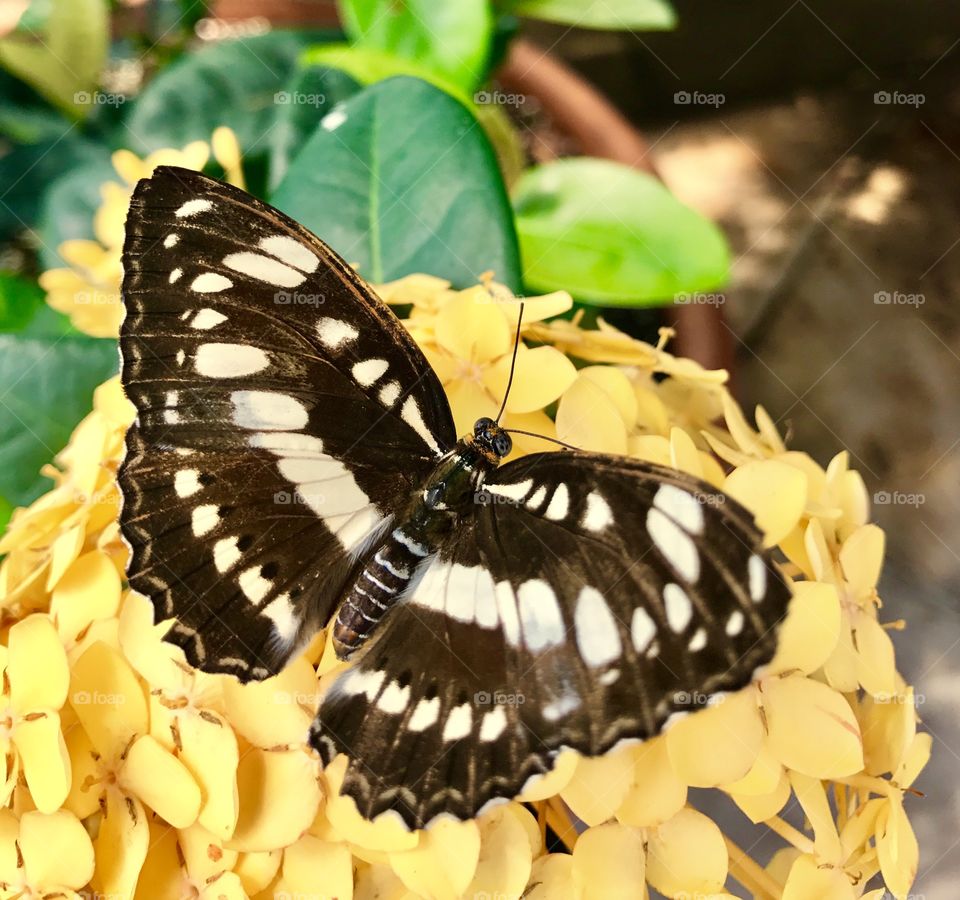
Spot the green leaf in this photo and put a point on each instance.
(69, 205)
(308, 97)
(452, 39)
(20, 299)
(615, 15)
(64, 62)
(612, 235)
(47, 387)
(401, 179)
(231, 83)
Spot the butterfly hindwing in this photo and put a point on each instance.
(270, 386)
(587, 599)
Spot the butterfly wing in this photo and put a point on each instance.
(282, 414)
(588, 599)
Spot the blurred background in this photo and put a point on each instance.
(821, 137)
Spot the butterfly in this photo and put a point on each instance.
(294, 464)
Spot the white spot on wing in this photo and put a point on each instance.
(204, 519)
(699, 640)
(537, 497)
(175, 275)
(540, 615)
(229, 360)
(192, 207)
(186, 482)
(598, 514)
(757, 574)
(334, 332)
(207, 318)
(425, 714)
(507, 612)
(678, 606)
(394, 698)
(266, 410)
(253, 584)
(642, 629)
(414, 418)
(461, 589)
(493, 724)
(597, 636)
(681, 506)
(170, 240)
(284, 616)
(226, 554)
(557, 709)
(511, 491)
(734, 623)
(675, 544)
(458, 723)
(210, 283)
(287, 443)
(291, 251)
(559, 503)
(389, 393)
(264, 268)
(370, 370)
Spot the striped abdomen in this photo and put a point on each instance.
(376, 588)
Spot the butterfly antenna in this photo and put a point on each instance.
(542, 437)
(513, 364)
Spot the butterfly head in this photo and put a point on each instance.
(492, 440)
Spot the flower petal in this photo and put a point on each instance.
(89, 590)
(599, 785)
(503, 867)
(914, 760)
(279, 796)
(774, 492)
(590, 420)
(443, 862)
(656, 793)
(554, 781)
(889, 725)
(275, 711)
(861, 558)
(813, 799)
(810, 631)
(732, 728)
(386, 832)
(811, 728)
(162, 874)
(121, 845)
(257, 870)
(609, 861)
(760, 807)
(809, 878)
(308, 857)
(687, 854)
(229, 886)
(208, 748)
(551, 878)
(108, 699)
(876, 667)
(160, 780)
(541, 376)
(37, 665)
(470, 326)
(84, 797)
(44, 757)
(56, 849)
(763, 777)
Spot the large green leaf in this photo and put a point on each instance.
(612, 235)
(46, 387)
(307, 98)
(401, 179)
(64, 61)
(231, 83)
(616, 15)
(452, 39)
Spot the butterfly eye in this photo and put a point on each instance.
(482, 427)
(502, 444)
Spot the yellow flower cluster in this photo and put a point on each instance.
(153, 780)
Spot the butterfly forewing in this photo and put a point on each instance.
(275, 394)
(586, 600)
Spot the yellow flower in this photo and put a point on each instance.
(89, 290)
(196, 785)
